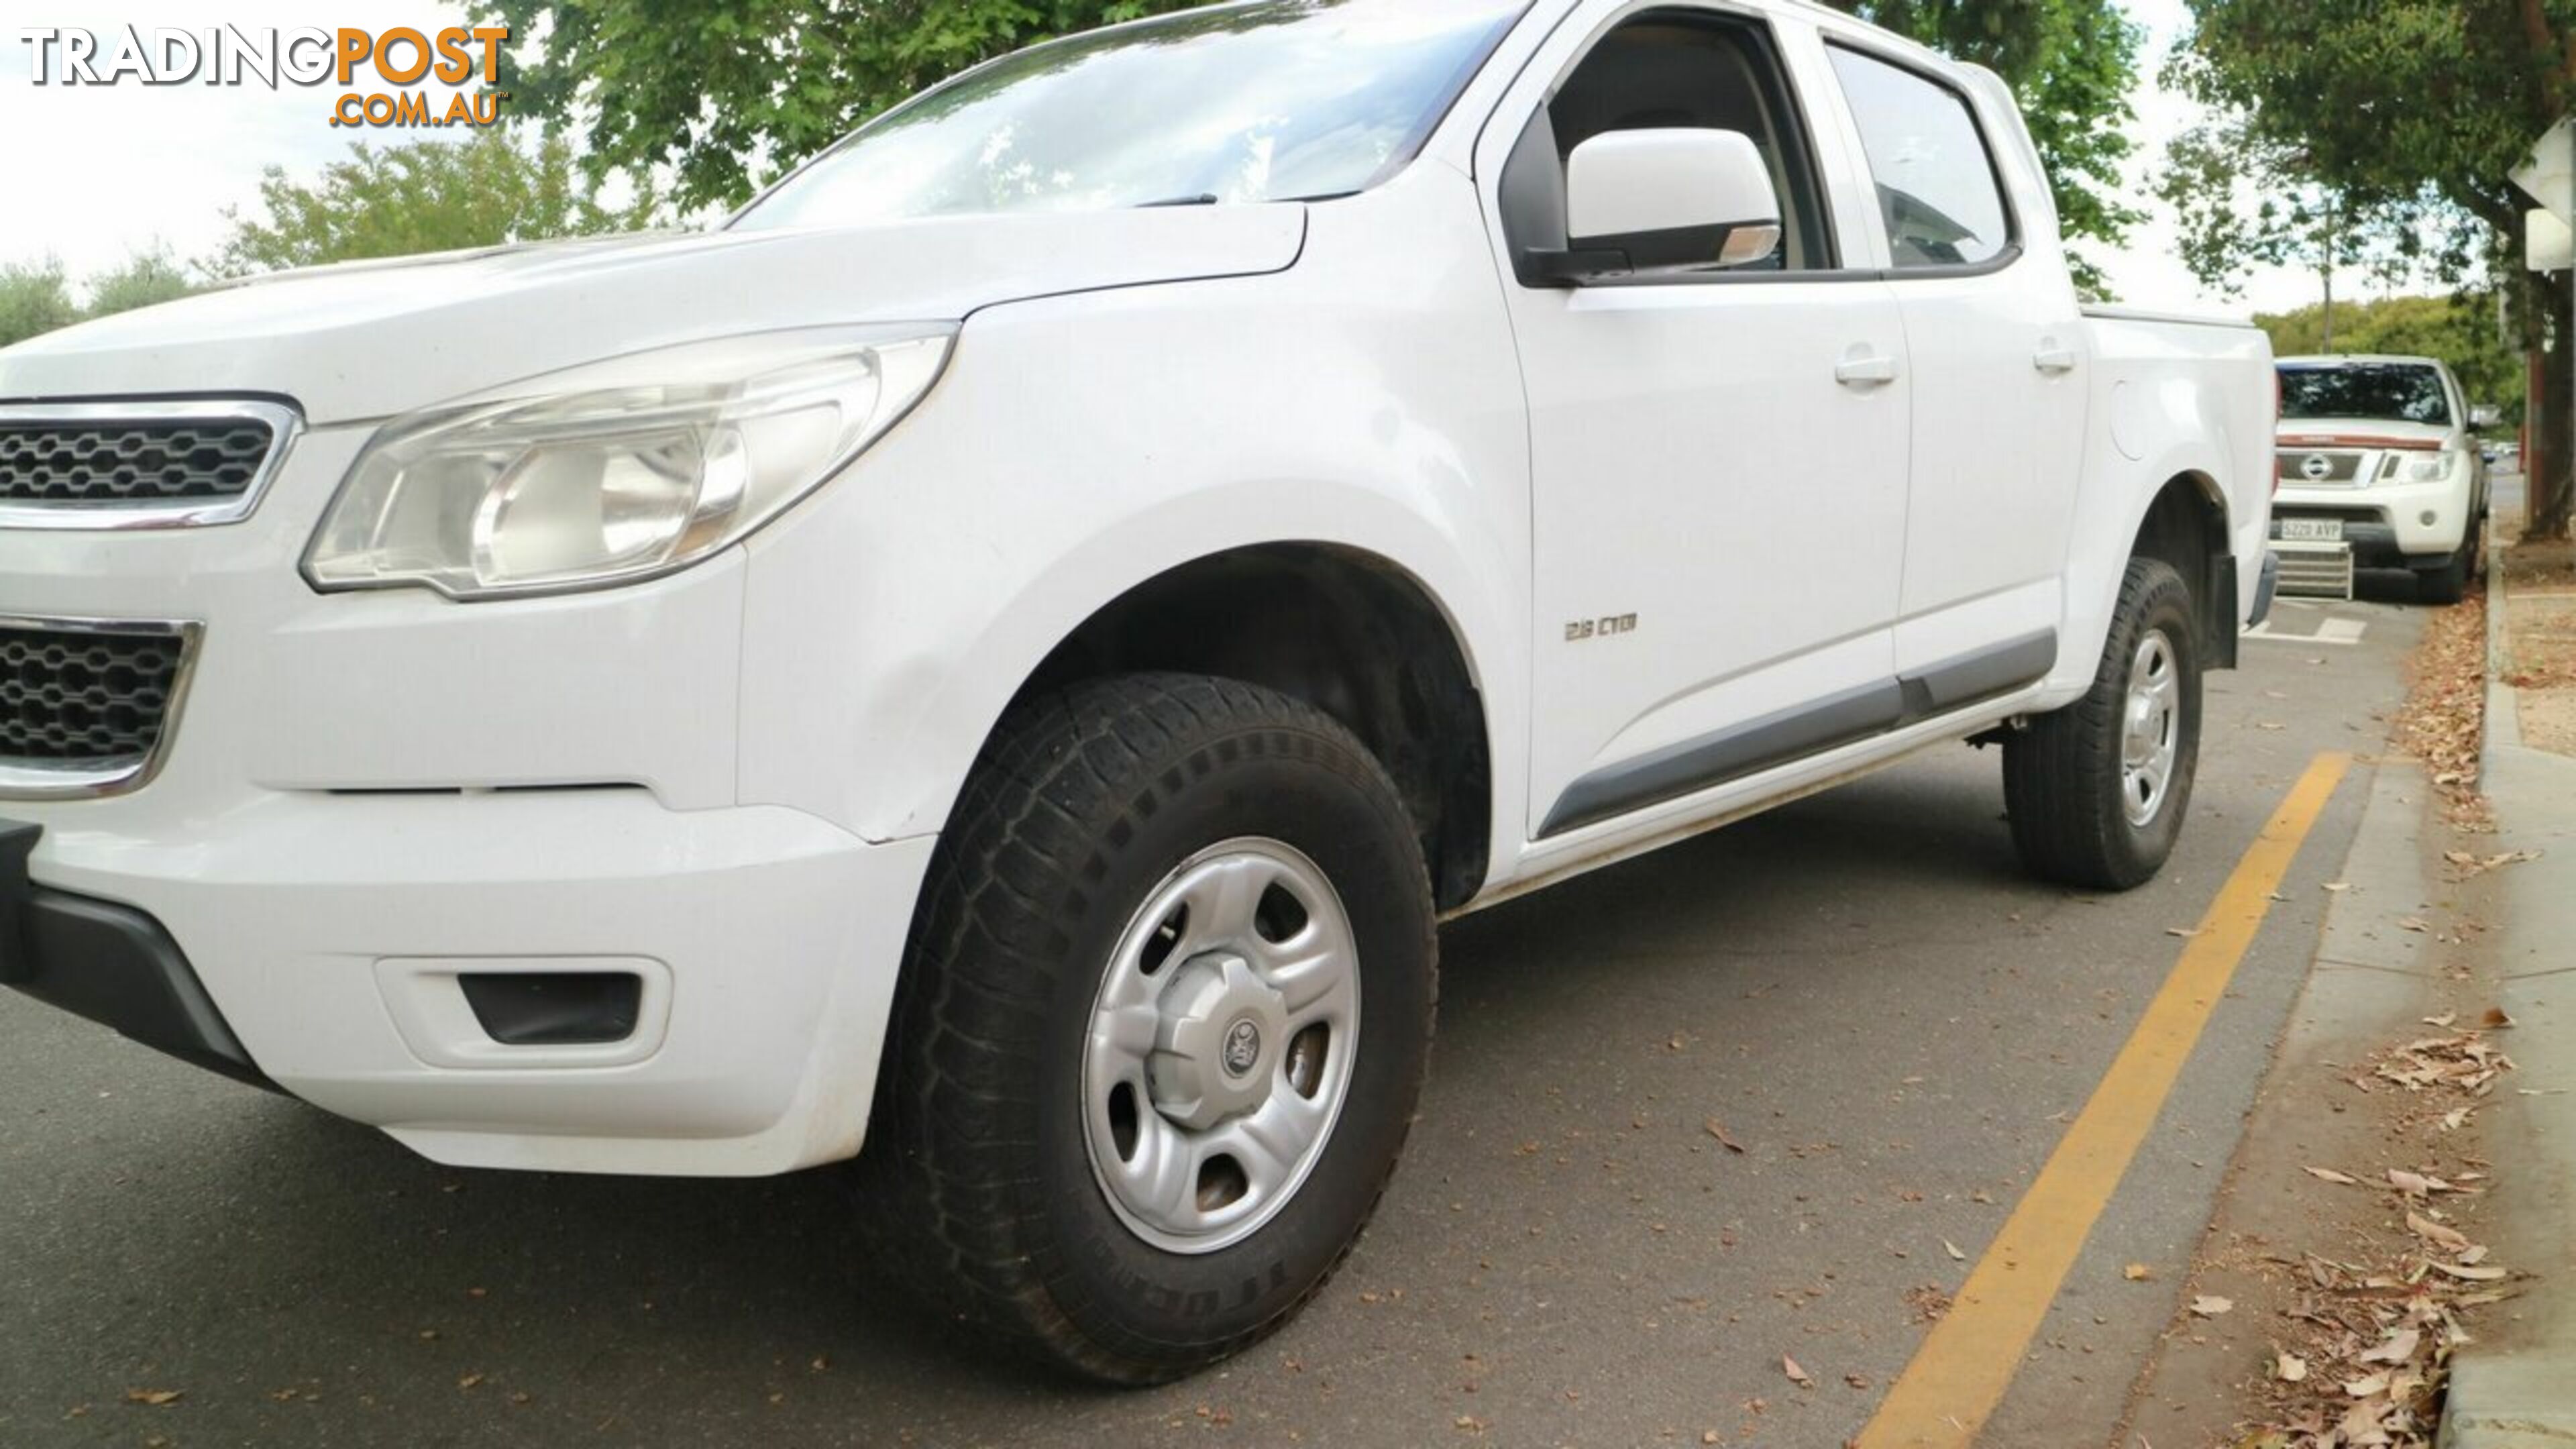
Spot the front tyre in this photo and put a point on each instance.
(2448, 581)
(1163, 1022)
(2097, 791)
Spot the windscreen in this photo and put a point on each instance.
(2386, 391)
(1275, 101)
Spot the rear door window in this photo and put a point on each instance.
(1937, 182)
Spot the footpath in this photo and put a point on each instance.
(2516, 1387)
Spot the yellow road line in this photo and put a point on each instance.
(1959, 1375)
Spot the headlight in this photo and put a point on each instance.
(2418, 467)
(619, 471)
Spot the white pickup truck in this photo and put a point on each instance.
(1005, 650)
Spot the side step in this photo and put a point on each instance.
(2315, 570)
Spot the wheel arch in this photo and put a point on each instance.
(2185, 523)
(1353, 633)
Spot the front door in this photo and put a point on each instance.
(1718, 462)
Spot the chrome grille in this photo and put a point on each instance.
(133, 465)
(86, 707)
(2336, 467)
(134, 462)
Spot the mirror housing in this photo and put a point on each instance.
(1670, 200)
(2483, 418)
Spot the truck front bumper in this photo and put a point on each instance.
(2390, 526)
(362, 801)
(110, 963)
(320, 943)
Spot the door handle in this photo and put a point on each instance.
(2054, 360)
(1872, 371)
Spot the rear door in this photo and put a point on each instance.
(2000, 399)
(1718, 460)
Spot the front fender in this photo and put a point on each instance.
(887, 757)
(1078, 448)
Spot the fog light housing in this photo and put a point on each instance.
(2428, 518)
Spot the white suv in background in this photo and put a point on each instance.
(2379, 453)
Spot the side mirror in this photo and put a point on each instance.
(1642, 203)
(2484, 418)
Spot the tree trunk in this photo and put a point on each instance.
(2553, 486)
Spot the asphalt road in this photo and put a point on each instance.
(1861, 988)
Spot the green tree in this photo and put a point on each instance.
(34, 298)
(2460, 329)
(730, 93)
(428, 196)
(2073, 63)
(2399, 120)
(146, 278)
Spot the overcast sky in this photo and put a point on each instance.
(95, 173)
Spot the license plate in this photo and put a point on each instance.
(2312, 530)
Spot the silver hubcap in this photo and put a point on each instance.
(2151, 737)
(1221, 1045)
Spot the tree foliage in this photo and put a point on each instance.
(2073, 63)
(730, 93)
(2459, 329)
(427, 196)
(38, 298)
(145, 279)
(2391, 125)
(34, 298)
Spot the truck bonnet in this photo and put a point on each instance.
(371, 340)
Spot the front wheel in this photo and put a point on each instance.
(2448, 581)
(1165, 1016)
(2097, 791)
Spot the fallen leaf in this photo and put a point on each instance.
(1953, 1250)
(2209, 1305)
(2363, 1388)
(1717, 1130)
(2362, 1425)
(2468, 1273)
(2413, 1184)
(2495, 1019)
(2338, 886)
(2413, 923)
(2179, 931)
(2289, 1368)
(2137, 1272)
(2448, 1239)
(157, 1398)
(469, 1381)
(2399, 1348)
(1797, 1375)
(2328, 1174)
